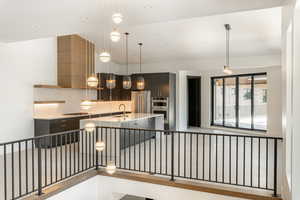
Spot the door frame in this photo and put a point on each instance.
(187, 104)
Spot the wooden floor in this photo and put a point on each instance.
(189, 185)
(183, 184)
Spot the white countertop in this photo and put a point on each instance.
(129, 117)
(46, 116)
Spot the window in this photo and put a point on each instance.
(240, 101)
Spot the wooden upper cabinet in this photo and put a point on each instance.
(75, 61)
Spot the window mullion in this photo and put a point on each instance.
(223, 106)
(237, 102)
(252, 102)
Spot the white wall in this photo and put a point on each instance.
(23, 64)
(108, 188)
(290, 101)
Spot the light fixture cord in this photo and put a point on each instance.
(227, 44)
(127, 52)
(140, 57)
(86, 63)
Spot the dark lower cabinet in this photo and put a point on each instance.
(48, 127)
(134, 137)
(45, 127)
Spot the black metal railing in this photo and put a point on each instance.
(30, 165)
(240, 160)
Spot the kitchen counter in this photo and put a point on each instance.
(129, 117)
(63, 116)
(124, 137)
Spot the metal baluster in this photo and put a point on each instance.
(251, 172)
(184, 156)
(267, 162)
(144, 150)
(12, 171)
(66, 155)
(237, 159)
(244, 161)
(139, 150)
(134, 151)
(20, 171)
(230, 159)
(178, 154)
(275, 167)
(32, 163)
(223, 159)
(51, 181)
(155, 151)
(191, 156)
(5, 175)
(203, 157)
(97, 157)
(45, 151)
(115, 147)
(39, 167)
(74, 152)
(197, 156)
(209, 154)
(150, 157)
(166, 154)
(26, 166)
(259, 162)
(56, 157)
(106, 146)
(172, 157)
(216, 158)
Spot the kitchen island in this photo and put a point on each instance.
(124, 137)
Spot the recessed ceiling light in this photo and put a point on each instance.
(84, 19)
(148, 6)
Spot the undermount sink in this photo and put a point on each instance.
(120, 116)
(80, 113)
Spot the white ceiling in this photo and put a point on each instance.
(170, 29)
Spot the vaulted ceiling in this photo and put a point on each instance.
(169, 29)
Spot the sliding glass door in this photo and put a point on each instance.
(240, 101)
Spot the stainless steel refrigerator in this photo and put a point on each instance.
(141, 101)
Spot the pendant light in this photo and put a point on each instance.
(90, 127)
(104, 56)
(99, 146)
(140, 83)
(127, 79)
(115, 36)
(227, 69)
(111, 167)
(117, 18)
(111, 81)
(92, 80)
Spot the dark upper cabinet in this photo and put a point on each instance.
(116, 94)
(160, 85)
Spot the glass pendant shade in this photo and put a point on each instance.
(111, 81)
(104, 57)
(117, 18)
(127, 82)
(90, 127)
(227, 70)
(100, 146)
(92, 81)
(140, 83)
(86, 104)
(111, 167)
(115, 36)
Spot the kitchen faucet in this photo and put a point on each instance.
(124, 110)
